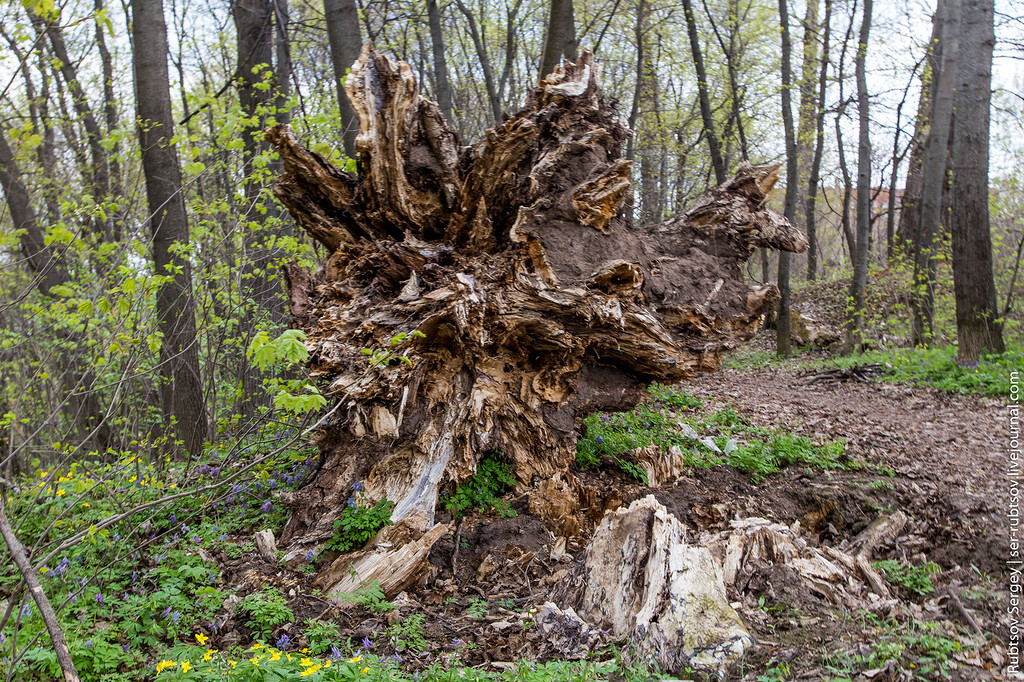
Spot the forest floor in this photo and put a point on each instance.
(939, 458)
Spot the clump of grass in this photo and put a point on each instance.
(724, 437)
(909, 578)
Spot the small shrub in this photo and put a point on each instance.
(913, 579)
(360, 521)
(267, 611)
(370, 596)
(484, 489)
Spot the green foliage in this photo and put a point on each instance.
(267, 610)
(729, 441)
(297, 396)
(359, 522)
(321, 635)
(673, 397)
(407, 634)
(370, 596)
(938, 368)
(911, 579)
(382, 357)
(483, 490)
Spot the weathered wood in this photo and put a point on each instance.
(538, 299)
(641, 579)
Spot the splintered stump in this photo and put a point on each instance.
(538, 300)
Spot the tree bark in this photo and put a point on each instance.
(782, 339)
(538, 303)
(706, 115)
(20, 557)
(182, 389)
(933, 176)
(346, 41)
(819, 148)
(560, 37)
(806, 117)
(444, 88)
(859, 284)
(977, 327)
(910, 204)
(42, 258)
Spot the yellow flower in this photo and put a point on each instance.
(257, 645)
(185, 666)
(310, 671)
(60, 492)
(304, 651)
(208, 655)
(364, 671)
(327, 663)
(275, 656)
(85, 504)
(232, 663)
(255, 660)
(305, 663)
(355, 660)
(202, 639)
(162, 665)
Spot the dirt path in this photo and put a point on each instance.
(951, 447)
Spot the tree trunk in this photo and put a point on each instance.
(182, 390)
(346, 40)
(254, 23)
(819, 148)
(859, 284)
(706, 115)
(444, 88)
(977, 328)
(910, 204)
(806, 118)
(537, 302)
(42, 258)
(782, 340)
(933, 176)
(560, 38)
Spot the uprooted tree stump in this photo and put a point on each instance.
(538, 300)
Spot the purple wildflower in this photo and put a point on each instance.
(357, 486)
(99, 598)
(267, 506)
(336, 652)
(309, 555)
(367, 643)
(283, 641)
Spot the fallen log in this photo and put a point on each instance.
(501, 291)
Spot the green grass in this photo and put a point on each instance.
(667, 421)
(934, 367)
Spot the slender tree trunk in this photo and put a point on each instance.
(782, 339)
(41, 258)
(819, 148)
(649, 139)
(910, 204)
(805, 132)
(100, 166)
(444, 88)
(933, 176)
(110, 116)
(860, 261)
(283, 67)
(20, 557)
(977, 327)
(182, 390)
(493, 98)
(346, 42)
(560, 38)
(707, 116)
